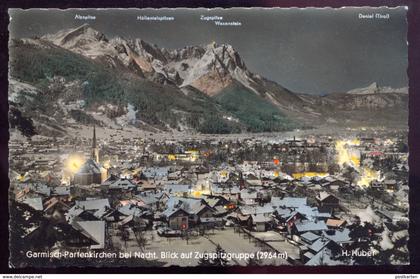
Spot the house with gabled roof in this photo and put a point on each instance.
(335, 223)
(327, 201)
(309, 238)
(323, 252)
(177, 218)
(35, 203)
(87, 209)
(180, 190)
(288, 202)
(94, 230)
(308, 226)
(122, 184)
(260, 222)
(340, 236)
(56, 208)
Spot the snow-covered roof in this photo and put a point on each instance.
(319, 244)
(284, 212)
(156, 172)
(95, 230)
(177, 188)
(126, 220)
(260, 218)
(288, 202)
(310, 236)
(266, 209)
(35, 203)
(190, 205)
(323, 195)
(147, 199)
(307, 225)
(338, 236)
(323, 257)
(312, 212)
(89, 167)
(248, 194)
(61, 191)
(99, 206)
(171, 210)
(225, 190)
(40, 188)
(93, 204)
(111, 179)
(130, 209)
(122, 183)
(211, 201)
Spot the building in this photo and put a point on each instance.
(260, 222)
(327, 201)
(91, 172)
(95, 149)
(177, 218)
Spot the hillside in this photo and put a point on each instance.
(79, 76)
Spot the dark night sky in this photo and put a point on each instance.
(313, 51)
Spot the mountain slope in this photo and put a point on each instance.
(81, 76)
(63, 77)
(374, 88)
(259, 114)
(209, 68)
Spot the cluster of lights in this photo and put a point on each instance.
(74, 162)
(347, 155)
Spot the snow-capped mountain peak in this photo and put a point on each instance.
(374, 88)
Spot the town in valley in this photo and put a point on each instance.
(208, 137)
(319, 199)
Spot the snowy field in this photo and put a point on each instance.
(230, 241)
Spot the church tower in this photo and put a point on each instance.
(95, 150)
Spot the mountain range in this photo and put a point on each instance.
(80, 76)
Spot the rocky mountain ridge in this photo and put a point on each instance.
(184, 89)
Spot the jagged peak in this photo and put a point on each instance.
(84, 31)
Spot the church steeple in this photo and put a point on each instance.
(95, 150)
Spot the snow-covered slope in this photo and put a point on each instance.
(374, 88)
(209, 68)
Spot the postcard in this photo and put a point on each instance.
(208, 137)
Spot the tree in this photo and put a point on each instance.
(220, 259)
(125, 236)
(402, 147)
(140, 236)
(205, 261)
(363, 237)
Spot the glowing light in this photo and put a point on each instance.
(65, 180)
(193, 155)
(74, 162)
(346, 154)
(224, 173)
(276, 161)
(197, 194)
(171, 157)
(388, 142)
(21, 177)
(299, 175)
(367, 175)
(106, 164)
